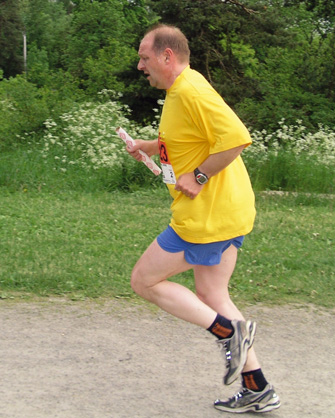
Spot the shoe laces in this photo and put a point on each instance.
(240, 394)
(223, 346)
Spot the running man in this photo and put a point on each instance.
(200, 142)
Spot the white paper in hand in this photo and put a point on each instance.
(149, 162)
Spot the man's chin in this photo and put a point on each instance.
(153, 83)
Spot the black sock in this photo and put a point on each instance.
(254, 380)
(221, 327)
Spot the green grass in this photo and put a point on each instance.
(287, 171)
(24, 168)
(84, 245)
(71, 243)
(290, 254)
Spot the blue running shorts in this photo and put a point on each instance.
(199, 254)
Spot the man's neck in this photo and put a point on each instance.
(176, 73)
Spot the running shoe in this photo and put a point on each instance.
(248, 401)
(235, 348)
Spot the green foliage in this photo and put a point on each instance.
(287, 84)
(86, 138)
(295, 81)
(292, 158)
(81, 151)
(101, 43)
(22, 109)
(226, 40)
(325, 9)
(11, 46)
(244, 54)
(47, 26)
(101, 71)
(268, 61)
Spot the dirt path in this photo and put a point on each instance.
(113, 359)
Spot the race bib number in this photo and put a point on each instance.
(167, 169)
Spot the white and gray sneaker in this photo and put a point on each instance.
(249, 401)
(235, 348)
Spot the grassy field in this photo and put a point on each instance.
(84, 245)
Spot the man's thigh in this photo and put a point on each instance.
(215, 279)
(157, 264)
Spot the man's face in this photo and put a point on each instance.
(151, 64)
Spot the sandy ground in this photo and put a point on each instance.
(115, 359)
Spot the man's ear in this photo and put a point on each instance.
(168, 54)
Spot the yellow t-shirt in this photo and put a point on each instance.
(195, 123)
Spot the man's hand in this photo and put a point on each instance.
(149, 147)
(188, 185)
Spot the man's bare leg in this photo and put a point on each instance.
(212, 288)
(149, 280)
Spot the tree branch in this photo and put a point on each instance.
(237, 3)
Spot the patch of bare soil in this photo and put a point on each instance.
(115, 359)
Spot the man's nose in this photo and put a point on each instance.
(140, 65)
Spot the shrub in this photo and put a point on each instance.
(86, 138)
(22, 109)
(291, 158)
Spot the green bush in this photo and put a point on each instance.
(80, 150)
(24, 107)
(291, 158)
(85, 140)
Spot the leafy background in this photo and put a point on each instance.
(76, 211)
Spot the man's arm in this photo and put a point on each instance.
(215, 163)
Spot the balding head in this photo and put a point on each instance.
(167, 36)
(164, 54)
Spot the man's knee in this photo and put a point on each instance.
(210, 299)
(213, 298)
(135, 281)
(139, 282)
(202, 296)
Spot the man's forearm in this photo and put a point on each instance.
(218, 162)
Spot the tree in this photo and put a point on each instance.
(47, 25)
(227, 40)
(101, 48)
(11, 43)
(261, 56)
(294, 78)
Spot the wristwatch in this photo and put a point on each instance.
(200, 177)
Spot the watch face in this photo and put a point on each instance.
(201, 178)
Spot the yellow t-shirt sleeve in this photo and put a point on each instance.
(218, 123)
